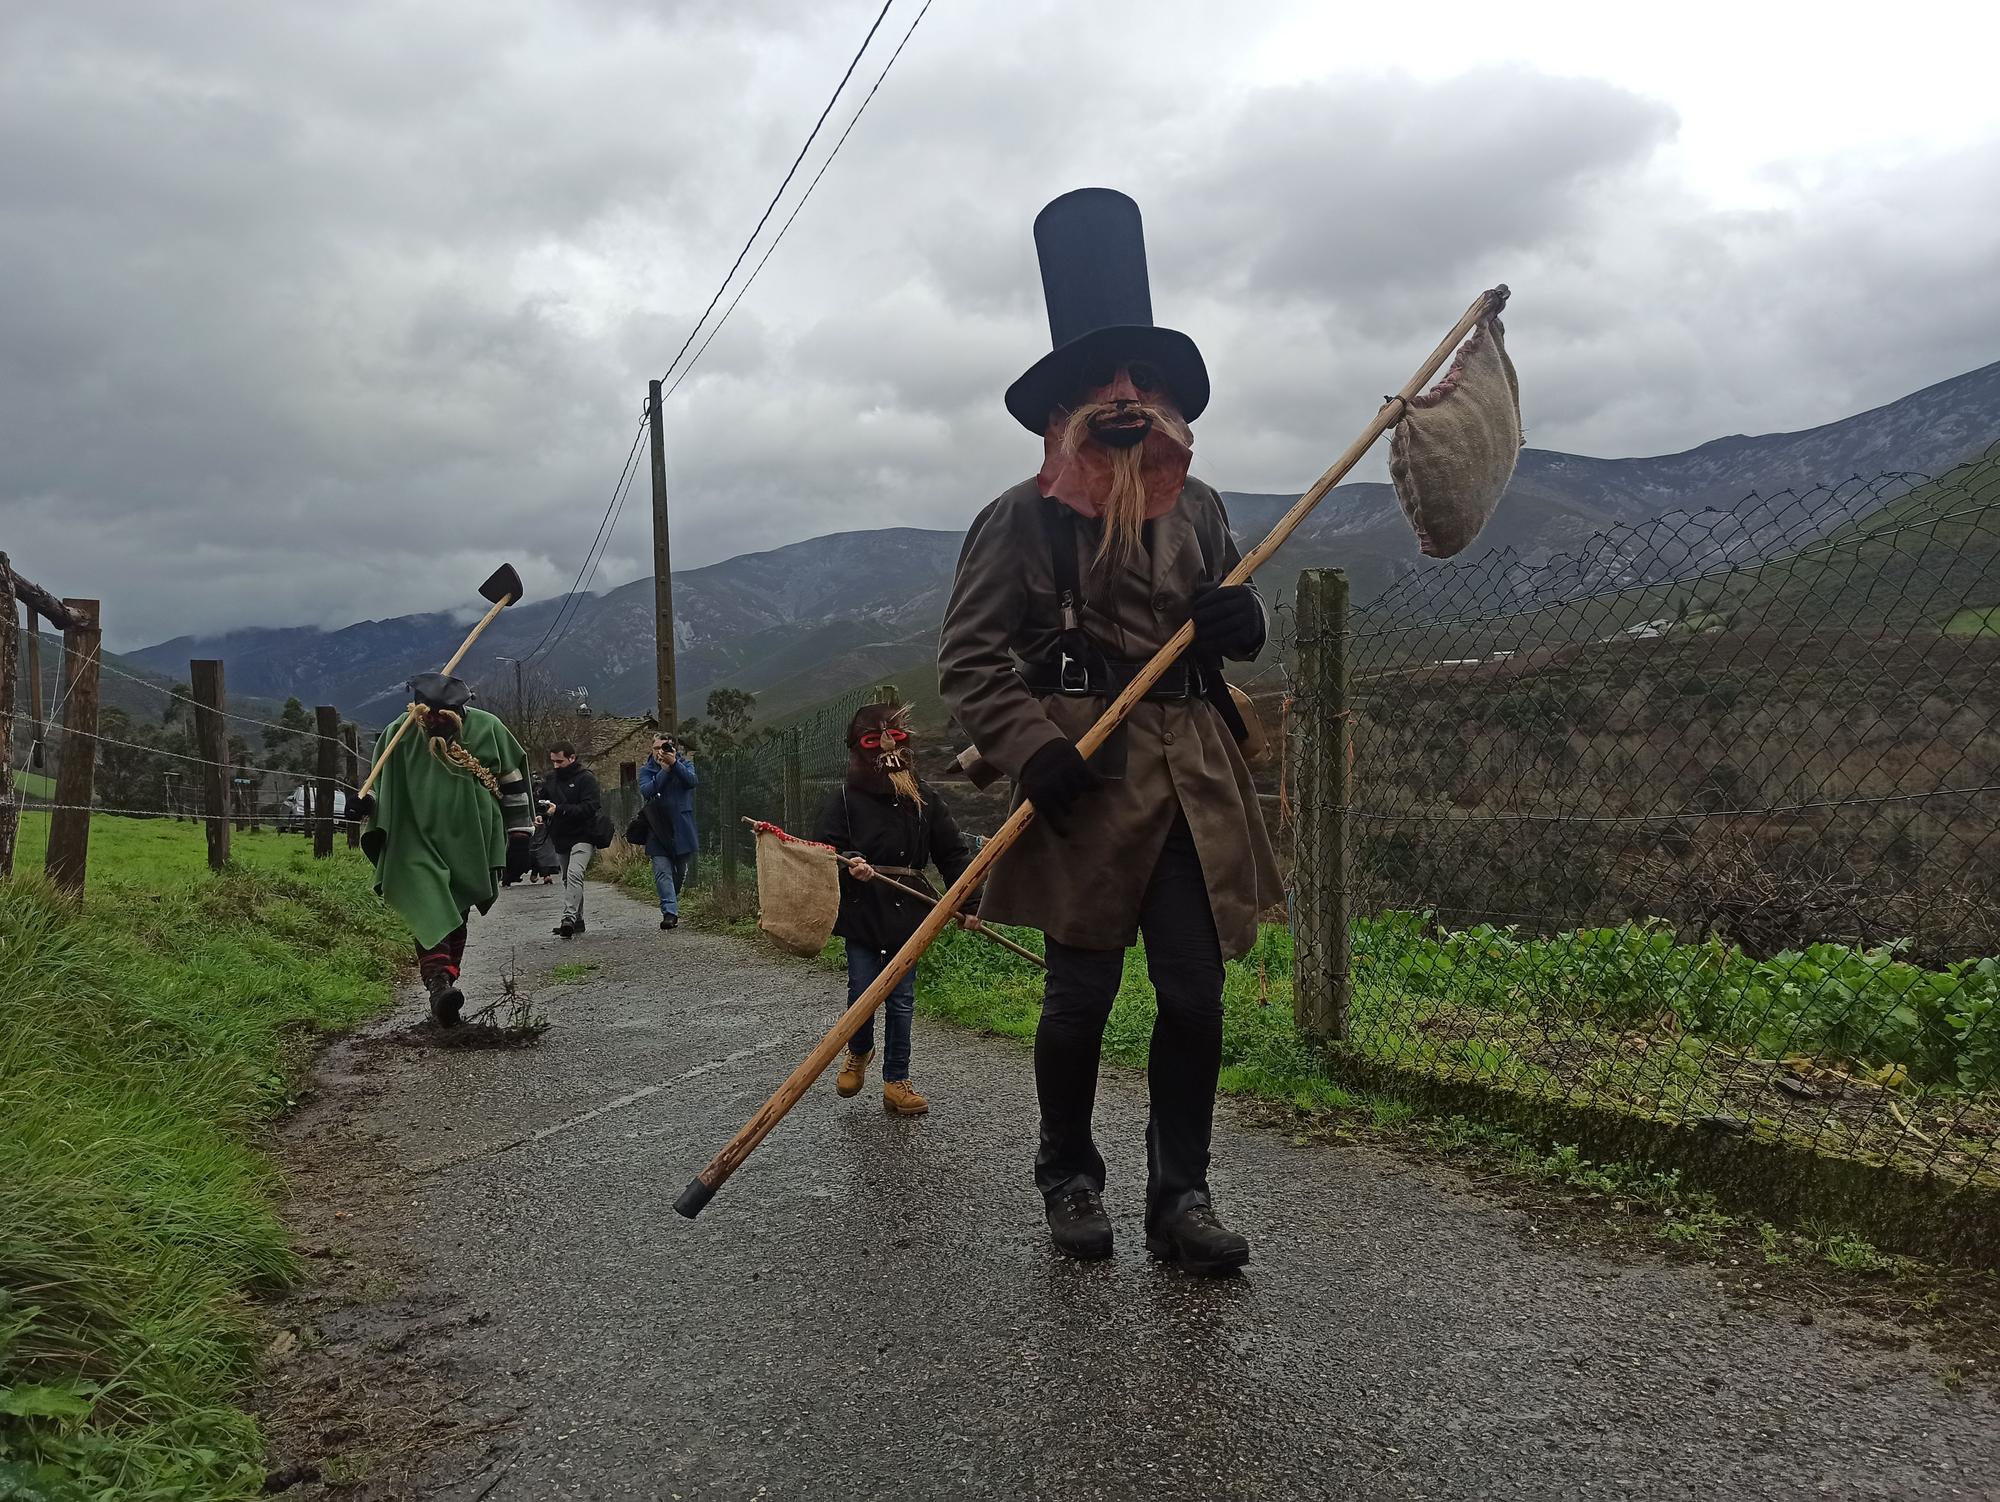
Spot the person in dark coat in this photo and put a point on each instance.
(893, 824)
(666, 785)
(1066, 585)
(570, 804)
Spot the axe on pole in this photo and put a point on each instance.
(503, 588)
(702, 1189)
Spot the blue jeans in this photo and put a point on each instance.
(863, 965)
(670, 874)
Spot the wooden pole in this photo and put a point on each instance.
(350, 756)
(10, 647)
(403, 729)
(211, 741)
(76, 771)
(663, 576)
(328, 719)
(698, 1193)
(929, 898)
(37, 756)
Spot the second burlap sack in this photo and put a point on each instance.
(1453, 453)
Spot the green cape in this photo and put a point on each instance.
(438, 838)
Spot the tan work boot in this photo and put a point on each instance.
(900, 1098)
(853, 1071)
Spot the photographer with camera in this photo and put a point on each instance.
(666, 785)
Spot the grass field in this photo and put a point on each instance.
(1984, 622)
(145, 1037)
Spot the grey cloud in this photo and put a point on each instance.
(309, 313)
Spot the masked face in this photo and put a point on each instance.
(880, 755)
(1118, 452)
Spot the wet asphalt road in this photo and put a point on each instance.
(869, 1309)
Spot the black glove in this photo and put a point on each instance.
(1228, 621)
(361, 807)
(1054, 778)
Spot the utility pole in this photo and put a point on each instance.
(663, 579)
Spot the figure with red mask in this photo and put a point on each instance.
(1066, 585)
(887, 821)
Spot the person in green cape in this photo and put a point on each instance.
(446, 802)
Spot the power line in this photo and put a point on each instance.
(799, 205)
(618, 509)
(773, 204)
(569, 603)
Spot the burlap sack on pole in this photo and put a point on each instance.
(1453, 453)
(798, 891)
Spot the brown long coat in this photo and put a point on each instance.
(1084, 888)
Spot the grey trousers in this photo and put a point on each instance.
(576, 861)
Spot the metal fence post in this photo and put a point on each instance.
(1320, 850)
(727, 817)
(793, 777)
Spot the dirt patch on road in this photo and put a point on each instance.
(356, 1399)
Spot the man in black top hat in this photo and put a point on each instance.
(1066, 585)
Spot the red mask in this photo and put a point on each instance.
(1130, 408)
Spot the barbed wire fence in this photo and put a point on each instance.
(1699, 822)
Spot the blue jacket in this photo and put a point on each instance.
(669, 799)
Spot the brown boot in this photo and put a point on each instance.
(900, 1098)
(853, 1071)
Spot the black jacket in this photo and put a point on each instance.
(574, 793)
(889, 831)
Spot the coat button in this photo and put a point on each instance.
(1159, 604)
(1167, 739)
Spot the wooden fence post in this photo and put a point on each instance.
(76, 771)
(1320, 916)
(211, 744)
(350, 752)
(328, 720)
(10, 619)
(37, 757)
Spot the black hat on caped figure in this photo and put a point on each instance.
(1093, 253)
(440, 691)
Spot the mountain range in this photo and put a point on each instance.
(800, 623)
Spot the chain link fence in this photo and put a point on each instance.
(1699, 821)
(783, 774)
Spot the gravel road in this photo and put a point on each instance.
(870, 1308)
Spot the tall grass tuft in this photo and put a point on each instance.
(143, 1039)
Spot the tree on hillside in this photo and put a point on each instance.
(294, 747)
(533, 707)
(731, 709)
(137, 762)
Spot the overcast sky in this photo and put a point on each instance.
(312, 313)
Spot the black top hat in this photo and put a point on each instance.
(1093, 253)
(438, 691)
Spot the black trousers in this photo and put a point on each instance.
(1184, 959)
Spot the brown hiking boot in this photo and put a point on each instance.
(900, 1098)
(853, 1071)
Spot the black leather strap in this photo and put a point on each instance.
(1105, 677)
